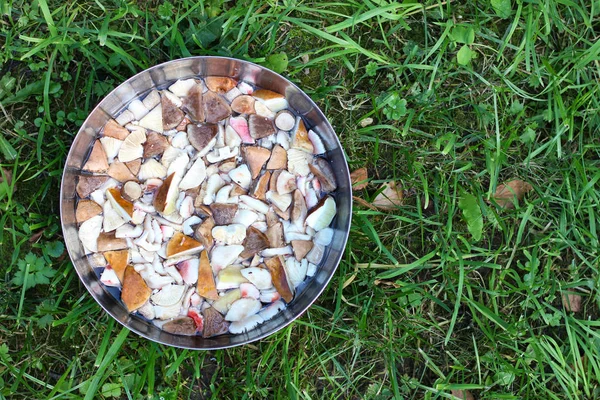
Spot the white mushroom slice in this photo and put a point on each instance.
(109, 277)
(137, 108)
(156, 281)
(148, 256)
(272, 310)
(279, 251)
(295, 271)
(179, 165)
(245, 217)
(132, 148)
(215, 182)
(188, 270)
(189, 224)
(255, 204)
(116, 205)
(286, 182)
(245, 88)
(224, 302)
(152, 169)
(174, 273)
(223, 153)
(229, 234)
(186, 208)
(298, 161)
(181, 87)
(230, 278)
(261, 226)
(157, 265)
(174, 99)
(164, 313)
(97, 260)
(136, 257)
(222, 195)
(138, 217)
(195, 175)
(148, 230)
(311, 270)
(144, 244)
(158, 236)
(232, 94)
(241, 175)
(223, 256)
(259, 277)
(245, 325)
(147, 311)
(242, 308)
(311, 198)
(111, 147)
(151, 100)
(281, 201)
(232, 139)
(285, 120)
(247, 289)
(315, 255)
(283, 139)
(89, 232)
(324, 236)
(317, 142)
(269, 295)
(98, 196)
(112, 219)
(167, 231)
(208, 148)
(175, 260)
(168, 295)
(180, 140)
(187, 299)
(147, 208)
(263, 111)
(153, 120)
(124, 118)
(290, 235)
(170, 155)
(320, 217)
(173, 220)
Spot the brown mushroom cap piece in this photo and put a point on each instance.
(275, 267)
(215, 108)
(126, 205)
(274, 178)
(87, 209)
(278, 158)
(255, 241)
(237, 190)
(200, 135)
(260, 127)
(192, 103)
(181, 326)
(214, 323)
(120, 172)
(131, 191)
(135, 293)
(108, 242)
(204, 233)
(114, 130)
(87, 184)
(323, 171)
(299, 209)
(262, 186)
(223, 213)
(265, 94)
(156, 144)
(243, 104)
(300, 139)
(97, 161)
(181, 243)
(160, 199)
(118, 261)
(171, 114)
(220, 84)
(301, 248)
(275, 235)
(256, 157)
(134, 166)
(206, 280)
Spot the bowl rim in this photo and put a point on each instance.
(321, 287)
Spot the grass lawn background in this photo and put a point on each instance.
(451, 290)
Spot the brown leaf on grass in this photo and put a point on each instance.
(462, 394)
(506, 193)
(358, 178)
(571, 302)
(391, 197)
(6, 173)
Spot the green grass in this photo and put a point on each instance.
(418, 307)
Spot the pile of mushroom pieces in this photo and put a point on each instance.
(207, 203)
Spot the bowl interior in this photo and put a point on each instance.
(159, 77)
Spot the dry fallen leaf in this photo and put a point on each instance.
(6, 173)
(462, 394)
(359, 178)
(391, 197)
(506, 192)
(571, 302)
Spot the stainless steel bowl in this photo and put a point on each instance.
(159, 77)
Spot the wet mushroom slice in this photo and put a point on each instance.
(206, 281)
(260, 127)
(322, 214)
(134, 165)
(181, 326)
(262, 186)
(114, 130)
(135, 292)
(243, 104)
(273, 100)
(193, 105)
(278, 158)
(86, 209)
(275, 235)
(118, 261)
(120, 172)
(181, 245)
(324, 173)
(131, 191)
(275, 267)
(166, 197)
(220, 84)
(203, 232)
(254, 242)
(108, 241)
(256, 157)
(214, 323)
(223, 213)
(301, 248)
(201, 135)
(171, 114)
(300, 138)
(97, 161)
(155, 144)
(215, 108)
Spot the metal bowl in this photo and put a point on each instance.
(159, 77)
